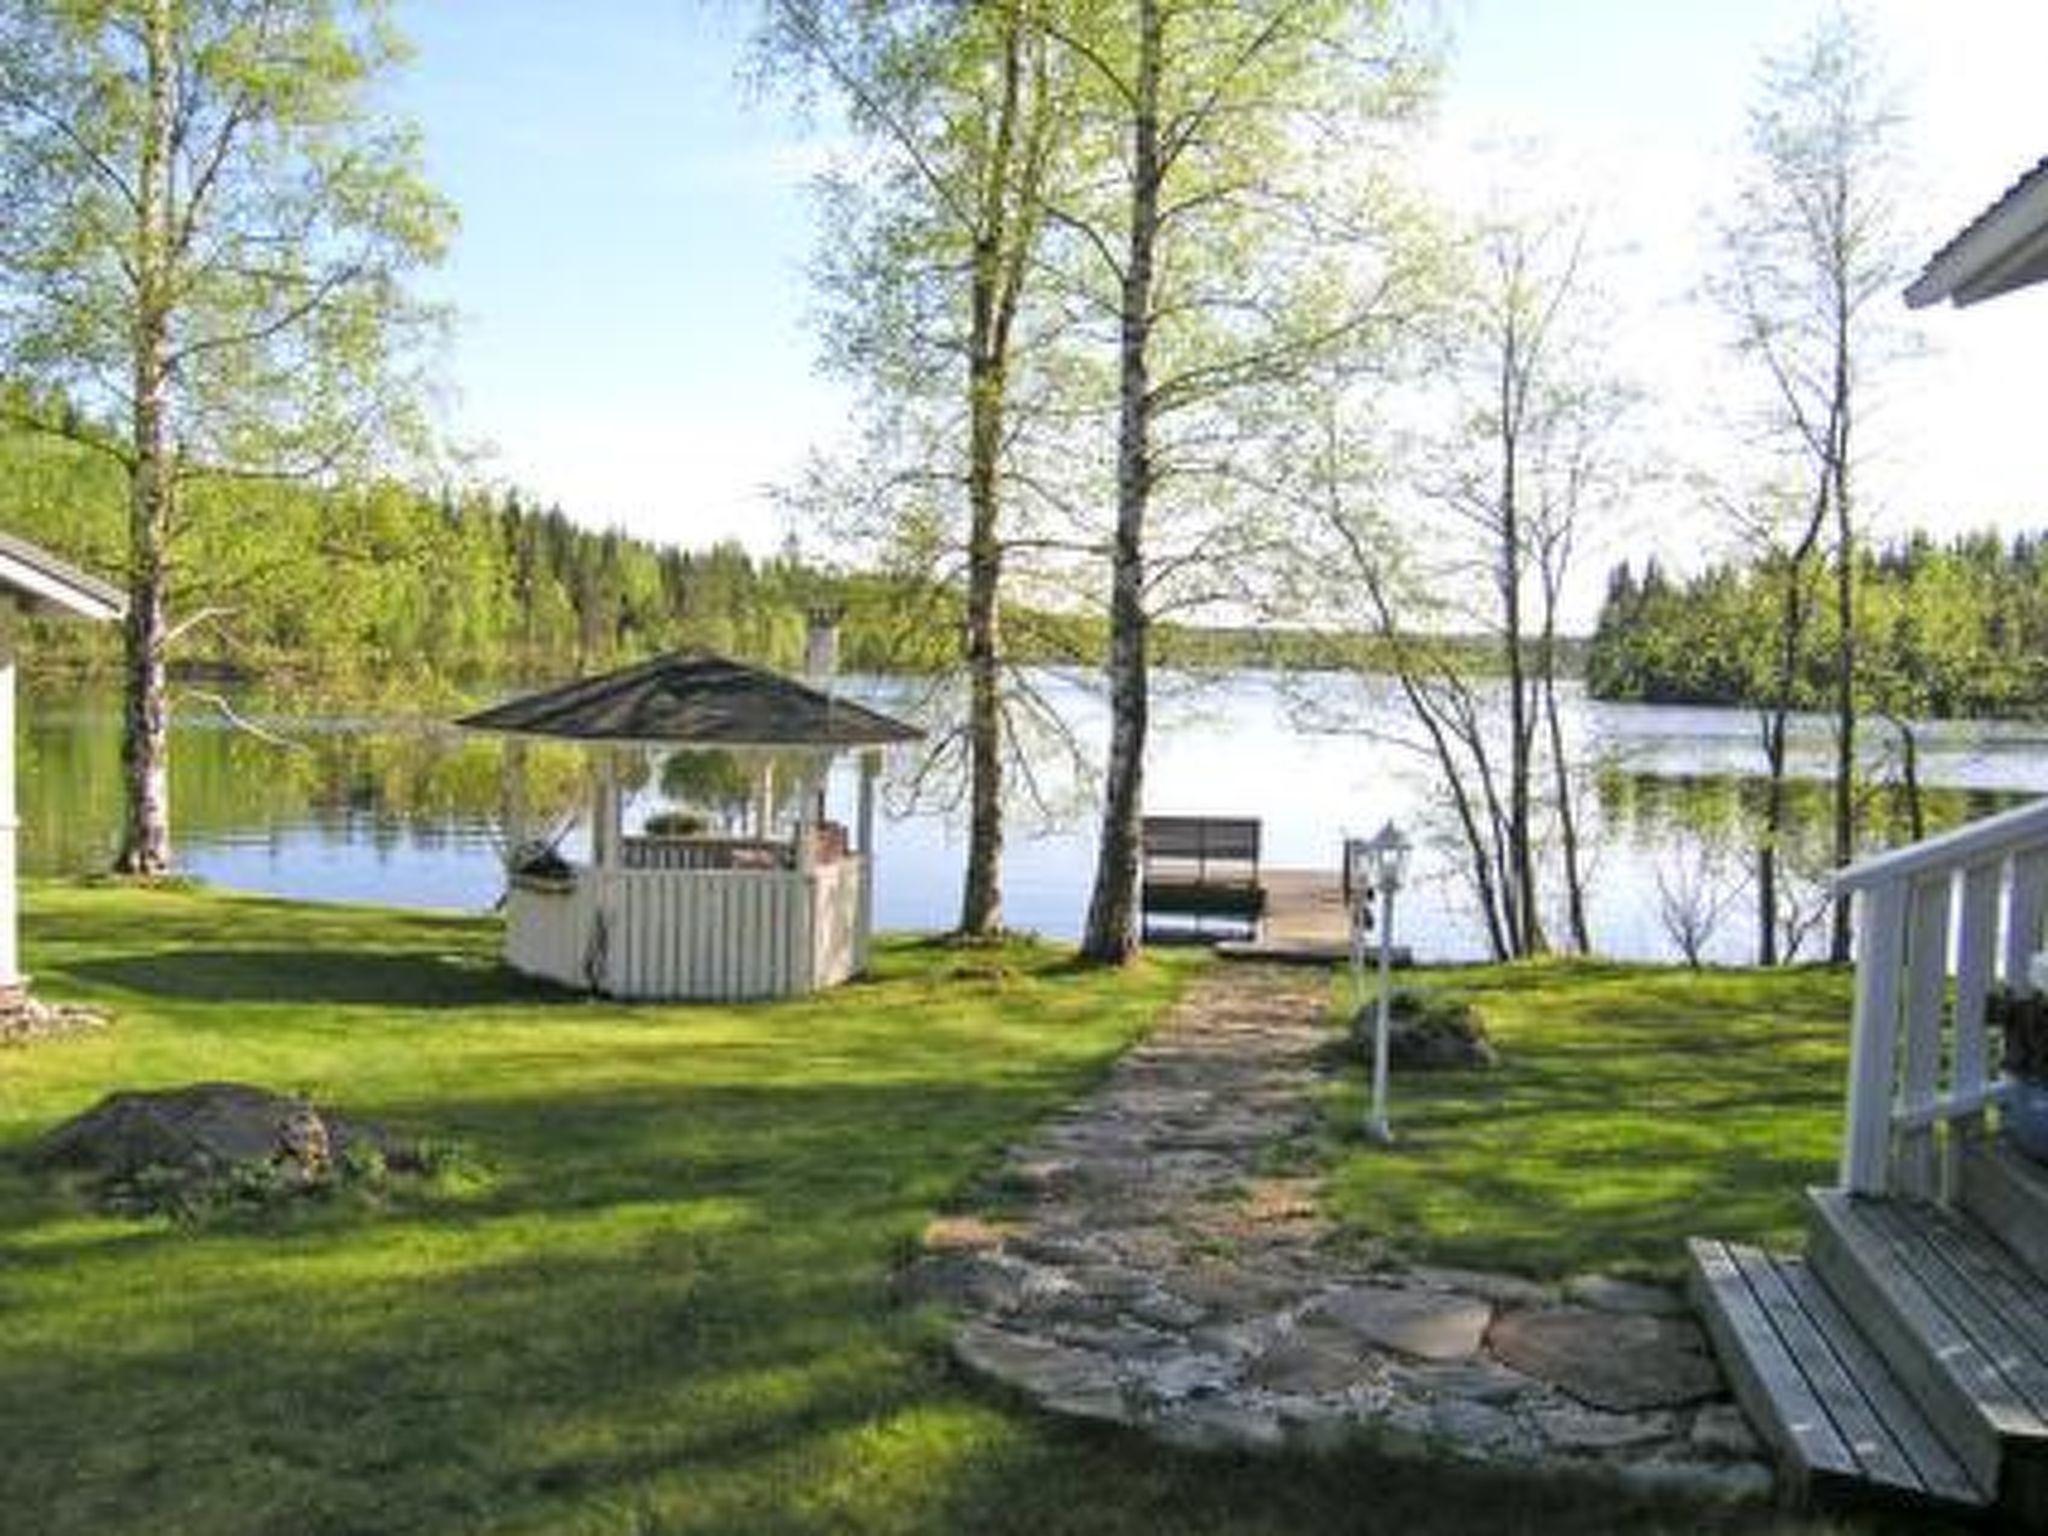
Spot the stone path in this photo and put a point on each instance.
(1158, 1268)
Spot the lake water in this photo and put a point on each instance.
(408, 815)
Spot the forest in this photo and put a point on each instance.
(1944, 630)
(383, 591)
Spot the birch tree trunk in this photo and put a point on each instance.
(1768, 843)
(1567, 810)
(146, 832)
(991, 306)
(1111, 935)
(1845, 642)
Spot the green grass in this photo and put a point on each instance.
(1634, 1107)
(663, 1306)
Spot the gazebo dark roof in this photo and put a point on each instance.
(694, 698)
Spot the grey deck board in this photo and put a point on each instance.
(1772, 1388)
(1959, 1269)
(2008, 1193)
(2001, 1274)
(1877, 1453)
(1818, 1389)
(1944, 1366)
(1936, 1466)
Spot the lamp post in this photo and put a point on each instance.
(1386, 855)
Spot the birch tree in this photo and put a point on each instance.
(1813, 256)
(931, 253)
(1219, 257)
(208, 227)
(1471, 522)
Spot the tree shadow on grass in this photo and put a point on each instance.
(670, 1310)
(300, 975)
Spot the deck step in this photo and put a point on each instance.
(1842, 1425)
(1962, 1323)
(2007, 1192)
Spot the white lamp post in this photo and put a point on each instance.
(1386, 854)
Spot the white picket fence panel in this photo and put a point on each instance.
(707, 934)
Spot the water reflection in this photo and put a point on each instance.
(410, 815)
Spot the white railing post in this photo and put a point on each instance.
(1976, 961)
(1873, 1039)
(1926, 991)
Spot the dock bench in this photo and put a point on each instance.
(1200, 867)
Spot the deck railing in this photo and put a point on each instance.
(1966, 906)
(694, 853)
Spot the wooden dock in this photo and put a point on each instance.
(1306, 922)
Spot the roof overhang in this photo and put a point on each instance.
(682, 744)
(47, 587)
(2004, 248)
(697, 700)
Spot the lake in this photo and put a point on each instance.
(362, 809)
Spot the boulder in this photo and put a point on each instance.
(208, 1130)
(1430, 1033)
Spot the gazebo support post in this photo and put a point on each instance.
(870, 761)
(513, 805)
(604, 813)
(13, 985)
(764, 799)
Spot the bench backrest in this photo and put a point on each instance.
(1220, 849)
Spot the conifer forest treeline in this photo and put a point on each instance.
(1947, 630)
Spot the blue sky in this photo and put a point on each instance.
(630, 272)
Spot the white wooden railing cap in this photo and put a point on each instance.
(2024, 826)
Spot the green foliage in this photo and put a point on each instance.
(1945, 631)
(378, 585)
(208, 195)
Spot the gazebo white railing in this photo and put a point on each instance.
(694, 929)
(1963, 908)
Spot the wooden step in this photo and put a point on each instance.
(2007, 1192)
(1843, 1427)
(1961, 1322)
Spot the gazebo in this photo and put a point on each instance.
(33, 583)
(775, 913)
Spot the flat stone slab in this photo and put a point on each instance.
(1574, 1428)
(1076, 1382)
(1620, 1362)
(1501, 1290)
(1606, 1293)
(1428, 1325)
(1317, 1358)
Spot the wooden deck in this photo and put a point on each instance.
(1906, 1356)
(1305, 924)
(1840, 1421)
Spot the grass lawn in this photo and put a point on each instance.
(1634, 1106)
(663, 1304)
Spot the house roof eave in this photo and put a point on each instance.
(49, 587)
(2003, 248)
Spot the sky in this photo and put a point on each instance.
(630, 280)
